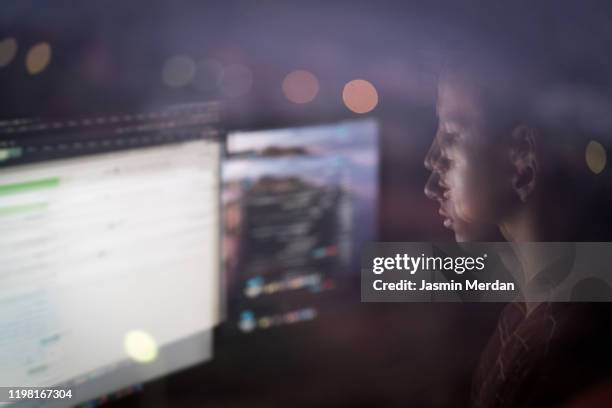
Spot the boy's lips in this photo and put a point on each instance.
(448, 221)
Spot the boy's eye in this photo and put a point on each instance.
(448, 137)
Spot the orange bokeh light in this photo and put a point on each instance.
(360, 96)
(300, 86)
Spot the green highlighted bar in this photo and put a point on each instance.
(20, 209)
(10, 153)
(7, 189)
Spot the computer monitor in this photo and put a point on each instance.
(299, 204)
(109, 249)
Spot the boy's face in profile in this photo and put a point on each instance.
(470, 177)
(464, 231)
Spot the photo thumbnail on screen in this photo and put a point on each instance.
(298, 205)
(109, 248)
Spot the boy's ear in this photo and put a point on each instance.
(523, 161)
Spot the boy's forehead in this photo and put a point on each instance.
(458, 102)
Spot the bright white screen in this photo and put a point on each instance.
(96, 248)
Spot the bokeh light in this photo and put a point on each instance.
(178, 71)
(237, 80)
(208, 76)
(300, 86)
(595, 157)
(360, 96)
(8, 50)
(140, 346)
(38, 58)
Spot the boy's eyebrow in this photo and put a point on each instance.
(456, 120)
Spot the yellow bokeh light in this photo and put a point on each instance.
(8, 50)
(38, 58)
(360, 96)
(178, 71)
(209, 75)
(300, 86)
(595, 157)
(140, 346)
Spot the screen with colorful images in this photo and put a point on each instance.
(298, 205)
